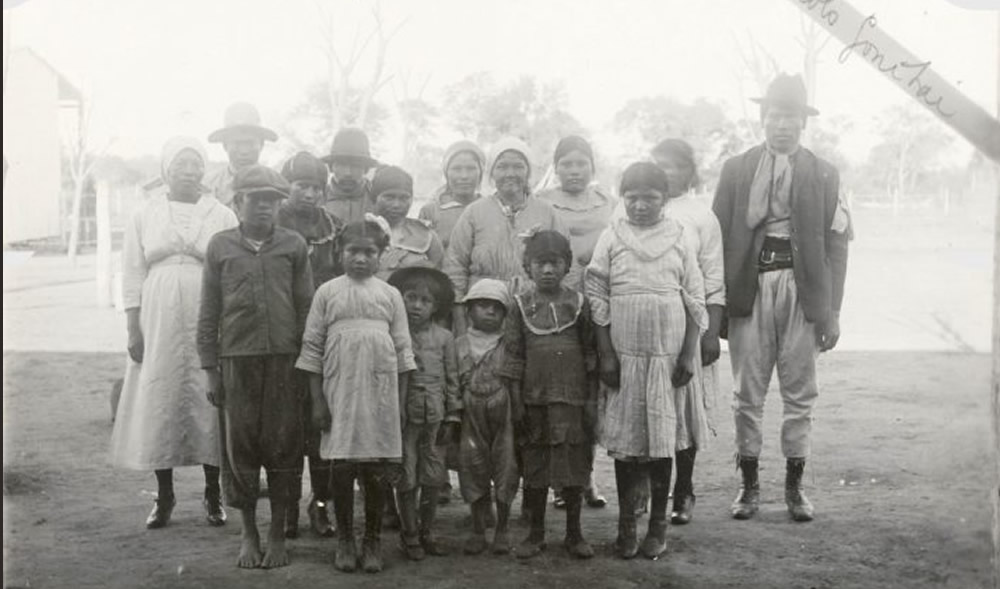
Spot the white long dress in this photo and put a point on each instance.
(164, 419)
(698, 401)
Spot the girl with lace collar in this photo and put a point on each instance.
(551, 353)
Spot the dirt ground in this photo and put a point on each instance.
(899, 476)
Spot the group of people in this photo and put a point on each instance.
(276, 316)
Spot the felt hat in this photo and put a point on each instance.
(490, 289)
(241, 117)
(350, 145)
(305, 166)
(258, 179)
(445, 292)
(788, 91)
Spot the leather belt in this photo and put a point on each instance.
(775, 254)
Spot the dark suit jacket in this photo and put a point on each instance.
(819, 253)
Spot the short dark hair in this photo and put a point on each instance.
(547, 242)
(443, 299)
(363, 229)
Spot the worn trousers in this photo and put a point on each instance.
(775, 334)
(262, 427)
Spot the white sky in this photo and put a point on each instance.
(154, 68)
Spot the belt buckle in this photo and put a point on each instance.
(766, 257)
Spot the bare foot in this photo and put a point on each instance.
(276, 555)
(250, 557)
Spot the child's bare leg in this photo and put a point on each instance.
(250, 557)
(276, 554)
(476, 543)
(501, 539)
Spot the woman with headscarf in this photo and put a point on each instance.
(585, 210)
(164, 419)
(488, 239)
(463, 174)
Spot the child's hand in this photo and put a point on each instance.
(710, 349)
(216, 395)
(683, 371)
(448, 433)
(520, 431)
(321, 418)
(609, 370)
(136, 344)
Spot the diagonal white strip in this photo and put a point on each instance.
(864, 39)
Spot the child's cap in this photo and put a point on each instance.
(391, 178)
(490, 289)
(547, 242)
(438, 282)
(258, 179)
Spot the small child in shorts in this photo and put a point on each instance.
(432, 403)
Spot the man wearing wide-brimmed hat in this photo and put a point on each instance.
(785, 232)
(350, 159)
(243, 137)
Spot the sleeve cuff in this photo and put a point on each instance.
(309, 365)
(405, 362)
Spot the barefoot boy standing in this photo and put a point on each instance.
(257, 287)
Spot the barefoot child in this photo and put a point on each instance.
(486, 451)
(357, 350)
(649, 306)
(256, 287)
(551, 350)
(433, 405)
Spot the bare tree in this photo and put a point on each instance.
(414, 112)
(762, 67)
(812, 39)
(341, 67)
(81, 156)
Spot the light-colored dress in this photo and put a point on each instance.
(358, 338)
(640, 281)
(164, 419)
(585, 216)
(704, 237)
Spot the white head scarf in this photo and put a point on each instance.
(509, 144)
(174, 146)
